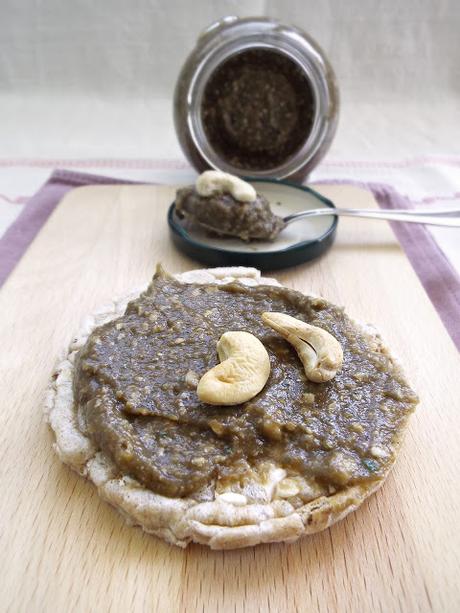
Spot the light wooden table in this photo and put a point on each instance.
(63, 549)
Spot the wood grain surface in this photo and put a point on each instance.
(63, 549)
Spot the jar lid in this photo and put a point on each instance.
(300, 242)
(256, 97)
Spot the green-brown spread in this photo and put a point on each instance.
(258, 109)
(223, 215)
(135, 385)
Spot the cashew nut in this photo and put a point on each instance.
(320, 353)
(242, 373)
(215, 182)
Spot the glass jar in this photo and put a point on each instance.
(258, 98)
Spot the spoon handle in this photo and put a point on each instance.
(437, 217)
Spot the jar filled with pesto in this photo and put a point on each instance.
(257, 98)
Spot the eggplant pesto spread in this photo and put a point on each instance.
(135, 389)
(258, 109)
(223, 215)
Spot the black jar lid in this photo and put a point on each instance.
(301, 241)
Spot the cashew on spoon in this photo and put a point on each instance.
(215, 182)
(242, 373)
(320, 353)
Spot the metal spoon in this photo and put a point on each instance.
(438, 217)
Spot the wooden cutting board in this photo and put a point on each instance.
(63, 549)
